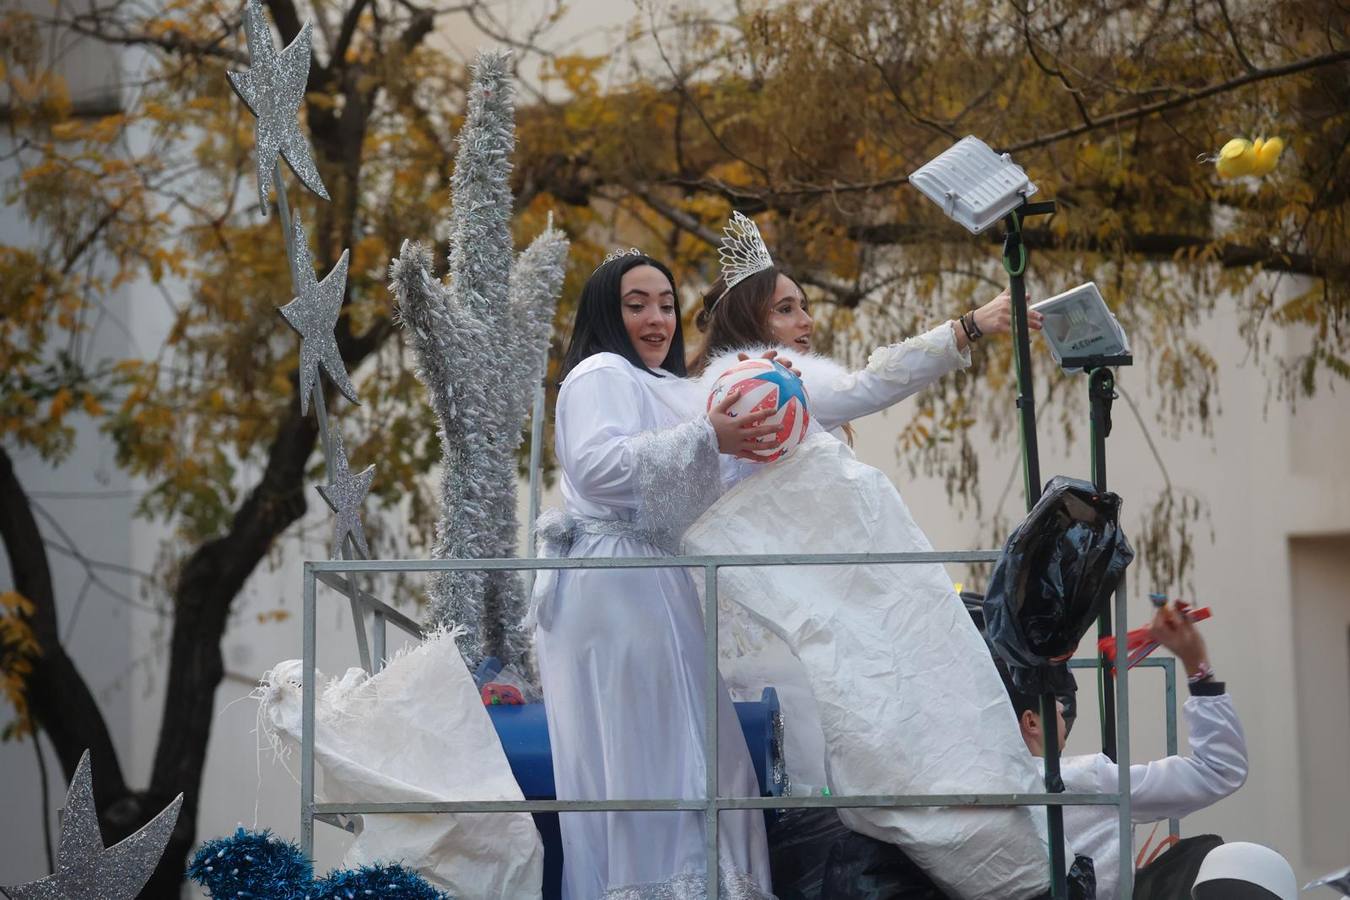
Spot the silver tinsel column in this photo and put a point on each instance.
(480, 341)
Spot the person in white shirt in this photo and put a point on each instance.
(1172, 787)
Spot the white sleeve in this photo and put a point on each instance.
(1177, 786)
(893, 373)
(667, 476)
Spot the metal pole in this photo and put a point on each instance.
(320, 411)
(710, 732)
(536, 463)
(1101, 390)
(358, 608)
(284, 210)
(1170, 699)
(1054, 784)
(307, 627)
(1126, 834)
(377, 625)
(1015, 263)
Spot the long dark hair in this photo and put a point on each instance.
(737, 318)
(599, 324)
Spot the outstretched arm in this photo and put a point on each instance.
(900, 370)
(893, 373)
(1216, 765)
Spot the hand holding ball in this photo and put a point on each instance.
(764, 400)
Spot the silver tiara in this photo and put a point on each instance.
(742, 252)
(619, 254)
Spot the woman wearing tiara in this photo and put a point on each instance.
(621, 651)
(762, 307)
(755, 303)
(882, 674)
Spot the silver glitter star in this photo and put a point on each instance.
(1338, 880)
(87, 871)
(314, 314)
(344, 493)
(273, 88)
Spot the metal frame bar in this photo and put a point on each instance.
(1169, 667)
(330, 573)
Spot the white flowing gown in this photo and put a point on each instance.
(903, 695)
(753, 657)
(621, 652)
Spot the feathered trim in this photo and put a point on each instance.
(815, 369)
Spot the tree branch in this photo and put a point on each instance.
(1184, 99)
(171, 42)
(57, 695)
(347, 31)
(774, 197)
(286, 18)
(1162, 246)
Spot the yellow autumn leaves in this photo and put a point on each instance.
(18, 648)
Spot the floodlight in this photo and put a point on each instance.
(973, 184)
(1081, 330)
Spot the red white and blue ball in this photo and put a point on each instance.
(766, 385)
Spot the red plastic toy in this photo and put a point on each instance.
(1139, 641)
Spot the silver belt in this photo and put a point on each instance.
(556, 531)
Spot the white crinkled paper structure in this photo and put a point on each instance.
(416, 731)
(908, 696)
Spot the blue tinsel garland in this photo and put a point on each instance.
(252, 864)
(255, 865)
(385, 882)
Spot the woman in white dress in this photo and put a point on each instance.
(886, 685)
(766, 307)
(621, 651)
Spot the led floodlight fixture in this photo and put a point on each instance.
(973, 184)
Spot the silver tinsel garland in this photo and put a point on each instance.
(480, 341)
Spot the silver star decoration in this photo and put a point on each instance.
(314, 314)
(344, 493)
(273, 88)
(85, 870)
(1338, 880)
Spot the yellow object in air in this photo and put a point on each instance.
(1267, 155)
(1241, 157)
(1235, 159)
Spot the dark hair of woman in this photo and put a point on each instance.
(599, 324)
(738, 318)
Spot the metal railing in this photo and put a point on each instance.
(341, 576)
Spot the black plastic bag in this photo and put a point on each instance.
(1081, 880)
(863, 868)
(799, 846)
(1056, 571)
(814, 856)
(1066, 690)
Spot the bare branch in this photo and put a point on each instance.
(58, 697)
(347, 30)
(170, 42)
(776, 196)
(1232, 33)
(1185, 99)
